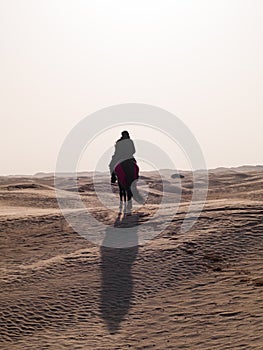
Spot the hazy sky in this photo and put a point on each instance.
(62, 60)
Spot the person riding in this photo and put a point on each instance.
(124, 151)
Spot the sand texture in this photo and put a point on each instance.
(197, 290)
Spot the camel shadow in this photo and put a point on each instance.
(116, 274)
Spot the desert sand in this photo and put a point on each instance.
(197, 290)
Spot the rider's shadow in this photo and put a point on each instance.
(116, 274)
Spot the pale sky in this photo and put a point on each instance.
(62, 60)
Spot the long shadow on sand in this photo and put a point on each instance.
(116, 265)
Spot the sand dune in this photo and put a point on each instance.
(196, 290)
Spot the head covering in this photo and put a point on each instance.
(125, 135)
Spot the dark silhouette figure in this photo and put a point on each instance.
(127, 172)
(124, 149)
(116, 274)
(123, 167)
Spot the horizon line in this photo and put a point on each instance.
(53, 173)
